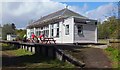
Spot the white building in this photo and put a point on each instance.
(65, 26)
(11, 37)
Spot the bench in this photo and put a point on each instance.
(48, 40)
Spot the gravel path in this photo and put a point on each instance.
(95, 58)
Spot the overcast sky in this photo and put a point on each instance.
(21, 13)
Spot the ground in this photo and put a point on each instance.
(19, 58)
(95, 58)
(92, 57)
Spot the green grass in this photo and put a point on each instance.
(29, 60)
(7, 47)
(50, 64)
(113, 54)
(20, 52)
(102, 41)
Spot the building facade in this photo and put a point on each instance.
(65, 26)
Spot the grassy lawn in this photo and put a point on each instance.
(113, 54)
(29, 60)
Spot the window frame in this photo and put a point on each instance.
(52, 30)
(67, 29)
(80, 29)
(57, 30)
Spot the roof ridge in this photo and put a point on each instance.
(64, 11)
(53, 12)
(49, 14)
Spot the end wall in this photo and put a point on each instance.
(89, 34)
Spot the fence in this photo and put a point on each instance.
(48, 50)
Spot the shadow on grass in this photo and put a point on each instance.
(22, 60)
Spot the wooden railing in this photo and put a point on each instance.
(49, 50)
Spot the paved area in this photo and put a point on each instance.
(92, 57)
(96, 58)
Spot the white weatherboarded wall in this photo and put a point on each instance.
(89, 34)
(66, 38)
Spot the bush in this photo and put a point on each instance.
(7, 47)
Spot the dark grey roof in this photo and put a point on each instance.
(56, 15)
(78, 20)
(64, 12)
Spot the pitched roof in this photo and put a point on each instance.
(64, 12)
(57, 15)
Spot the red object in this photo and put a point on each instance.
(41, 36)
(33, 36)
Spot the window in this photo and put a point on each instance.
(67, 30)
(44, 30)
(57, 35)
(52, 33)
(47, 33)
(37, 33)
(80, 29)
(52, 30)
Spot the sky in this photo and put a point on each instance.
(21, 13)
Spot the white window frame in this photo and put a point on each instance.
(57, 30)
(46, 31)
(52, 30)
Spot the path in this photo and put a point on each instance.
(92, 57)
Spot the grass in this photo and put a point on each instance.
(113, 54)
(29, 60)
(19, 52)
(102, 41)
(50, 64)
(7, 46)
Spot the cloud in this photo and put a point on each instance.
(59, 0)
(80, 9)
(85, 7)
(21, 13)
(102, 12)
(24, 0)
(0, 13)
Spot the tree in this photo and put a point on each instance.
(13, 26)
(20, 33)
(7, 29)
(109, 29)
(103, 31)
